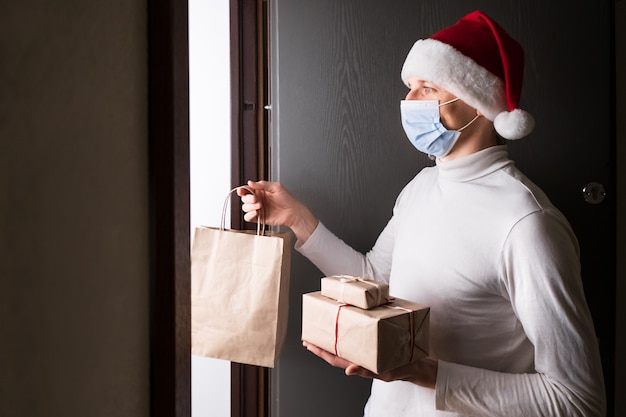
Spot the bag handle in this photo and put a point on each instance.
(260, 225)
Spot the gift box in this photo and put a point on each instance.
(359, 292)
(378, 339)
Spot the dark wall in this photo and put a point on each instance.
(74, 278)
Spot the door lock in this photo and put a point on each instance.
(594, 193)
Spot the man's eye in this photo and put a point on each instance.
(428, 90)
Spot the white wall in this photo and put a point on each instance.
(209, 59)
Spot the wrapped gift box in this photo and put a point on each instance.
(377, 339)
(359, 292)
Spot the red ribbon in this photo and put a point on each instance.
(337, 328)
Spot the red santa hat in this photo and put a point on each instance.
(476, 60)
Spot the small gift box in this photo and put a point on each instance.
(378, 339)
(359, 292)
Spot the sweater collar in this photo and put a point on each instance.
(476, 165)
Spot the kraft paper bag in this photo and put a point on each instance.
(239, 294)
(378, 339)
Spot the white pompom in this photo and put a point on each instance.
(514, 125)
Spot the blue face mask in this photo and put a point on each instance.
(420, 120)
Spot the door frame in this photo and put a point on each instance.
(170, 265)
(250, 385)
(168, 143)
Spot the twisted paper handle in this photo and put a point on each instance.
(260, 225)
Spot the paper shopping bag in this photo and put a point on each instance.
(239, 294)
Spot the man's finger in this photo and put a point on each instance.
(333, 360)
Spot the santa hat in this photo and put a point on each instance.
(476, 60)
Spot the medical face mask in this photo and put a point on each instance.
(420, 120)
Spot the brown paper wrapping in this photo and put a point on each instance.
(358, 292)
(378, 339)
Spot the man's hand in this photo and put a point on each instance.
(280, 208)
(422, 372)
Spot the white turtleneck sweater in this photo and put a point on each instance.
(498, 264)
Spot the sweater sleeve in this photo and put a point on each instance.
(334, 257)
(540, 274)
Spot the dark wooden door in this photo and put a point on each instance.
(338, 144)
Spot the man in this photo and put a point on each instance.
(474, 239)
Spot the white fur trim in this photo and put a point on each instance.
(439, 63)
(514, 125)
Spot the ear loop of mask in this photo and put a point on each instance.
(470, 122)
(450, 101)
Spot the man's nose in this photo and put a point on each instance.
(411, 95)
